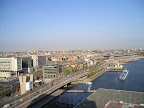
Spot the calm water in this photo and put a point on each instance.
(133, 82)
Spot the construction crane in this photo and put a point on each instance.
(40, 50)
(59, 55)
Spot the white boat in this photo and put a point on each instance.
(124, 74)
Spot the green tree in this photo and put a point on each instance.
(49, 59)
(75, 69)
(88, 75)
(66, 72)
(78, 57)
(86, 66)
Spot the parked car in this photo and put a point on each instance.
(6, 105)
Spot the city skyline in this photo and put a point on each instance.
(59, 24)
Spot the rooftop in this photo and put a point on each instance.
(102, 96)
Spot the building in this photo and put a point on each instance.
(109, 98)
(10, 66)
(51, 72)
(72, 64)
(26, 64)
(38, 62)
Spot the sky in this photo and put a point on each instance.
(71, 24)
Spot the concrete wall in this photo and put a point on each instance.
(23, 80)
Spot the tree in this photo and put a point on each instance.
(86, 66)
(74, 69)
(49, 59)
(78, 57)
(66, 72)
(88, 75)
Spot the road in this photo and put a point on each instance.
(37, 94)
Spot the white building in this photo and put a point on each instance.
(38, 61)
(10, 66)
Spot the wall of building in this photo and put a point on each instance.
(6, 64)
(26, 64)
(39, 61)
(11, 64)
(51, 72)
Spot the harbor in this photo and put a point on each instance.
(133, 82)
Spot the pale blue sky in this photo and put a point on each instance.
(71, 24)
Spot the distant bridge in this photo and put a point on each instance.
(81, 91)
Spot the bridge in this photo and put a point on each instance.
(36, 96)
(81, 91)
(114, 70)
(30, 98)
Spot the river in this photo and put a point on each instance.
(133, 82)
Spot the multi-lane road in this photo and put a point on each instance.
(38, 93)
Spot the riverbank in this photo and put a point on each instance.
(95, 76)
(109, 80)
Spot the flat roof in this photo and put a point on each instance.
(101, 96)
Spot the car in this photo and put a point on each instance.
(6, 105)
(21, 99)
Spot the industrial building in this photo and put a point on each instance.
(10, 66)
(51, 72)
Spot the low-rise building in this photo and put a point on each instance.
(51, 72)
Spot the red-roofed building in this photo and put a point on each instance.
(72, 64)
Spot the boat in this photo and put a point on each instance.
(88, 82)
(123, 75)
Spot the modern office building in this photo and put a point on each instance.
(51, 72)
(10, 66)
(38, 61)
(26, 64)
